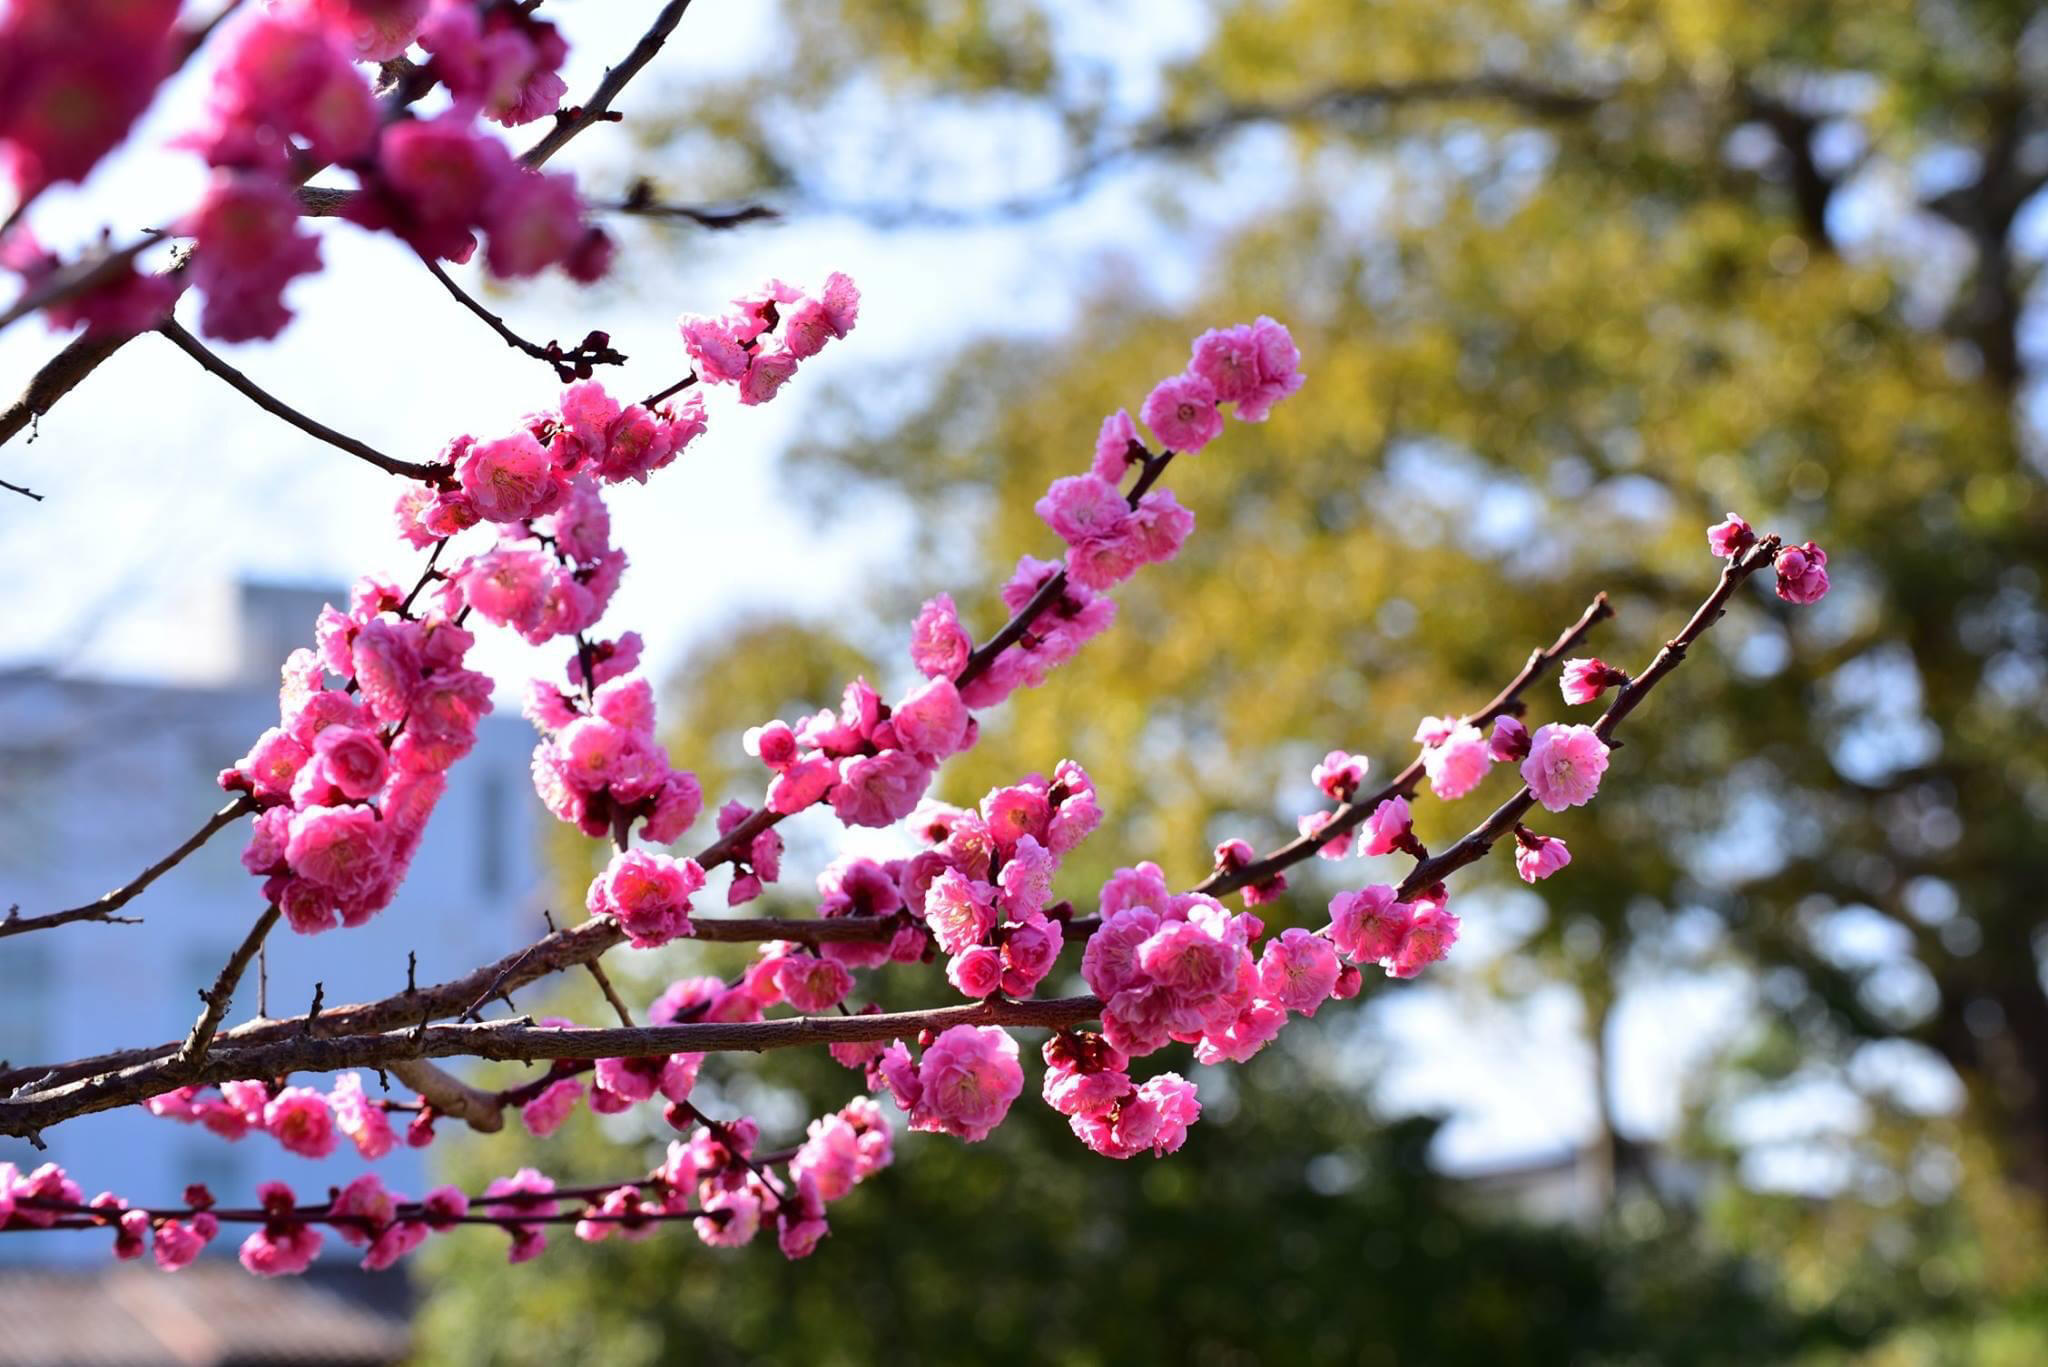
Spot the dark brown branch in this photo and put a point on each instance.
(569, 365)
(570, 122)
(249, 389)
(21, 489)
(1348, 816)
(103, 908)
(516, 1041)
(642, 202)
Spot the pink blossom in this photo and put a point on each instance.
(773, 743)
(377, 30)
(976, 971)
(1113, 443)
(1390, 827)
(1730, 538)
(74, 77)
(373, 1207)
(939, 646)
(802, 784)
(627, 703)
(960, 911)
(1509, 743)
(1429, 938)
(1538, 856)
(507, 479)
(1084, 507)
(352, 760)
(1029, 952)
(1368, 925)
(272, 762)
(1339, 774)
(879, 790)
(813, 985)
(714, 351)
(931, 722)
(1084, 1074)
(742, 1208)
(545, 1113)
(430, 178)
(285, 1245)
(1583, 681)
(1802, 573)
(967, 1080)
(340, 848)
(300, 1119)
(356, 1116)
(1014, 812)
(1156, 1116)
(1435, 730)
(178, 1243)
(1255, 1025)
(649, 894)
(1564, 765)
(1181, 412)
(1298, 970)
(248, 247)
(1457, 763)
(1338, 846)
(1026, 880)
(534, 220)
(1252, 365)
(766, 374)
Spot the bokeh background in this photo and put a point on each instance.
(1762, 1077)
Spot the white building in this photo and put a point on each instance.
(100, 779)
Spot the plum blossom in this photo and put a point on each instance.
(1802, 573)
(966, 1081)
(1456, 762)
(1538, 856)
(1564, 765)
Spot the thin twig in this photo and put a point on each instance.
(569, 365)
(570, 122)
(218, 997)
(1347, 816)
(263, 399)
(102, 908)
(1476, 842)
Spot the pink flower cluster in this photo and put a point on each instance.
(601, 769)
(1086, 1081)
(871, 761)
(1109, 539)
(303, 1120)
(539, 481)
(961, 1085)
(983, 888)
(1802, 571)
(1180, 967)
(348, 779)
(497, 58)
(288, 97)
(1369, 926)
(728, 349)
(1252, 365)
